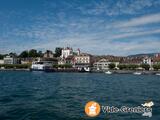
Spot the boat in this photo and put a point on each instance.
(84, 69)
(148, 104)
(108, 72)
(137, 73)
(40, 65)
(157, 73)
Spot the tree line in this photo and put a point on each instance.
(134, 66)
(32, 53)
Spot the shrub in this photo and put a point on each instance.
(156, 66)
(145, 66)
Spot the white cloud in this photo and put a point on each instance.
(144, 20)
(135, 34)
(89, 32)
(120, 7)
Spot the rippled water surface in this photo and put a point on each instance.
(62, 96)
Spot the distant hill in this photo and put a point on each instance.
(144, 54)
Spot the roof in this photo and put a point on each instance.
(156, 59)
(49, 59)
(103, 60)
(70, 57)
(67, 48)
(83, 54)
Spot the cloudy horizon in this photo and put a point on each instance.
(99, 27)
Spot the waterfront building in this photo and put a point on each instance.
(147, 60)
(83, 58)
(103, 64)
(156, 59)
(48, 54)
(11, 60)
(1, 61)
(78, 51)
(132, 60)
(66, 52)
(28, 60)
(68, 56)
(69, 60)
(157, 55)
(83, 61)
(61, 61)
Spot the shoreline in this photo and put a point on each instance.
(151, 72)
(14, 69)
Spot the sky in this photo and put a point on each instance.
(99, 27)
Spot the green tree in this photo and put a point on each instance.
(24, 54)
(39, 54)
(111, 66)
(1, 56)
(58, 52)
(13, 54)
(122, 66)
(156, 66)
(33, 53)
(145, 66)
(132, 66)
(62, 66)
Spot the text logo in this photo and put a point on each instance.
(92, 109)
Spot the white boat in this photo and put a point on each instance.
(148, 104)
(40, 65)
(108, 72)
(137, 73)
(157, 73)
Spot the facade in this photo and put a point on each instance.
(66, 52)
(1, 61)
(69, 60)
(147, 60)
(78, 51)
(48, 54)
(83, 61)
(132, 60)
(103, 64)
(28, 60)
(157, 55)
(61, 61)
(10, 60)
(156, 59)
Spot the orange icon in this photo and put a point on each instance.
(92, 109)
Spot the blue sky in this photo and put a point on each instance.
(118, 27)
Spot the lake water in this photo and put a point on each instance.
(62, 96)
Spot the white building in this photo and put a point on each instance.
(48, 54)
(61, 61)
(78, 51)
(103, 64)
(10, 60)
(83, 61)
(147, 60)
(66, 52)
(1, 61)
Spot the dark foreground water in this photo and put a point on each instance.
(62, 96)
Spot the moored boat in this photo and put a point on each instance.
(40, 65)
(108, 72)
(137, 73)
(158, 74)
